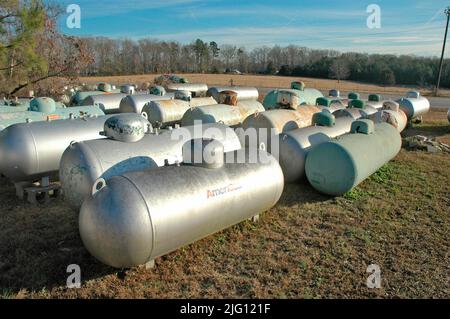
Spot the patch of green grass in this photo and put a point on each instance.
(358, 193)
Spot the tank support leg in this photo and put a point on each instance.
(255, 219)
(150, 264)
(20, 189)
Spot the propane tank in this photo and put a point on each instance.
(80, 96)
(83, 163)
(295, 145)
(231, 115)
(196, 89)
(391, 114)
(260, 128)
(134, 103)
(360, 104)
(108, 103)
(30, 151)
(131, 219)
(244, 93)
(170, 112)
(336, 167)
(331, 105)
(414, 105)
(45, 109)
(290, 98)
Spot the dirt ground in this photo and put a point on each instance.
(308, 246)
(264, 81)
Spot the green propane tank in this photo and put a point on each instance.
(336, 167)
(45, 109)
(354, 96)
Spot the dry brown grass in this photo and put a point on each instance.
(263, 81)
(308, 246)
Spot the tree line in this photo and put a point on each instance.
(35, 55)
(124, 56)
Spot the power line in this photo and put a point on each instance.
(447, 12)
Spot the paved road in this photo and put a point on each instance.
(436, 102)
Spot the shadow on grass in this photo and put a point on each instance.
(301, 193)
(38, 243)
(427, 130)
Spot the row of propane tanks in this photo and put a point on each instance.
(143, 192)
(187, 102)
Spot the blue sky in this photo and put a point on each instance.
(407, 26)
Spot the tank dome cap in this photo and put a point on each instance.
(298, 85)
(359, 104)
(183, 95)
(374, 98)
(157, 90)
(323, 119)
(413, 95)
(354, 96)
(228, 97)
(363, 127)
(334, 93)
(126, 127)
(43, 104)
(323, 101)
(104, 87)
(208, 153)
(391, 105)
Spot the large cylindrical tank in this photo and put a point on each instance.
(80, 96)
(169, 112)
(108, 103)
(30, 151)
(414, 105)
(231, 115)
(336, 167)
(83, 163)
(307, 96)
(354, 113)
(47, 110)
(243, 93)
(295, 145)
(262, 127)
(139, 216)
(392, 114)
(134, 103)
(196, 89)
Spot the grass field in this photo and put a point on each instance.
(308, 246)
(262, 81)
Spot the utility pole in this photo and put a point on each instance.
(447, 12)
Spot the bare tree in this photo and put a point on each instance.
(339, 69)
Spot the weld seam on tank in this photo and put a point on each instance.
(149, 216)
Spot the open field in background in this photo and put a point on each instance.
(308, 246)
(266, 81)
